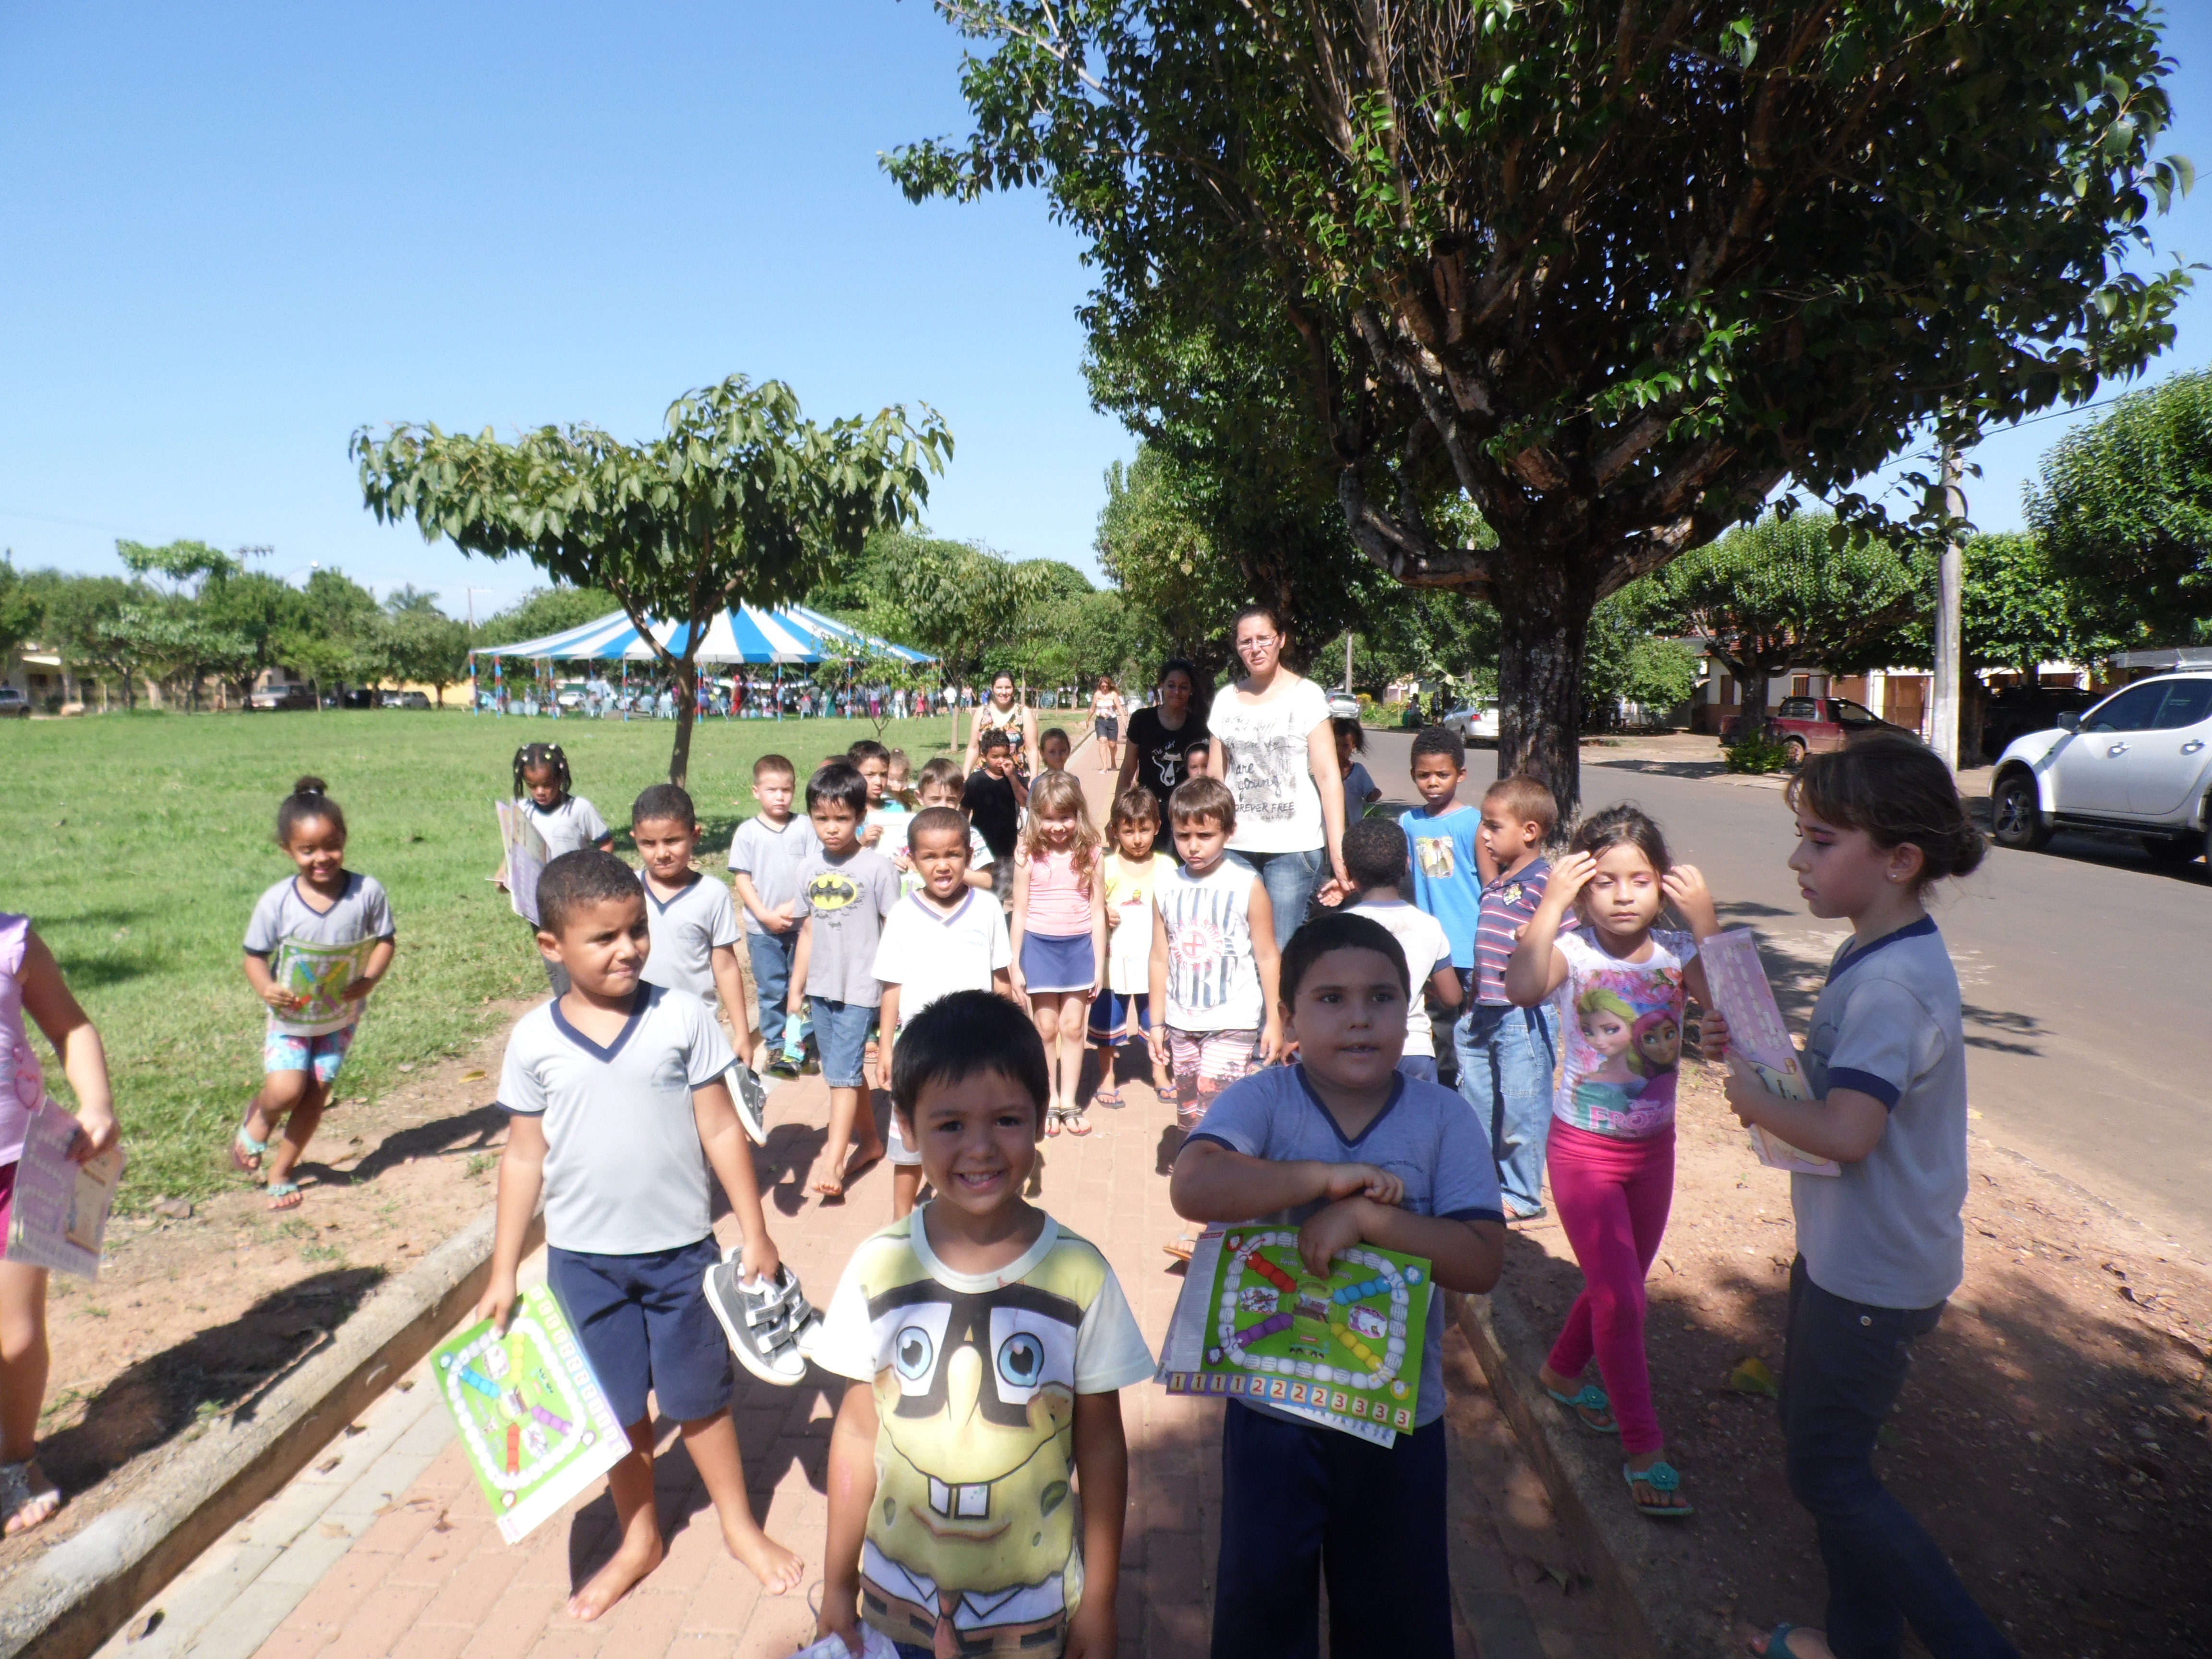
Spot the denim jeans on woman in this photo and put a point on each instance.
(1290, 879)
(1506, 1055)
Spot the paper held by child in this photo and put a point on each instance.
(318, 975)
(1344, 1352)
(526, 857)
(58, 1218)
(536, 1427)
(1759, 1042)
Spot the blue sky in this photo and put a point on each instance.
(235, 233)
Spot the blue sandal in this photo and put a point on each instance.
(278, 1191)
(1777, 1642)
(1660, 1477)
(1591, 1399)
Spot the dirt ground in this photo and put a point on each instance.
(2054, 1435)
(195, 1316)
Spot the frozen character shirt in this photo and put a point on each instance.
(22, 1081)
(1621, 1025)
(972, 1546)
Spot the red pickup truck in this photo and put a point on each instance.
(1805, 726)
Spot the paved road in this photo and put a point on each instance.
(2083, 970)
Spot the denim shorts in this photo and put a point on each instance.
(646, 1327)
(840, 1037)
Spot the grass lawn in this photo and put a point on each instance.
(138, 844)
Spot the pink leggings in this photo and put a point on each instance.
(1613, 1196)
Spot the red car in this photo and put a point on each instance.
(1804, 725)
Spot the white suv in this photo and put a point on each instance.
(2141, 761)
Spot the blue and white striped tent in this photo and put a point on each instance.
(744, 635)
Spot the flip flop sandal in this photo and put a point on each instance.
(1079, 1125)
(17, 1499)
(1660, 1477)
(1591, 1399)
(1777, 1642)
(1052, 1122)
(1180, 1248)
(244, 1146)
(1110, 1098)
(279, 1191)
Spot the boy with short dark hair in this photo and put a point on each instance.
(845, 891)
(992, 798)
(765, 854)
(941, 937)
(616, 1110)
(1375, 859)
(1353, 1151)
(987, 1347)
(1506, 1055)
(937, 784)
(695, 926)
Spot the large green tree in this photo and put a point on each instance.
(1611, 273)
(22, 611)
(741, 498)
(2123, 508)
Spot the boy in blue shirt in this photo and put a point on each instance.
(1353, 1151)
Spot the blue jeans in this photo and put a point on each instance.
(1290, 879)
(771, 958)
(1842, 1370)
(1505, 1060)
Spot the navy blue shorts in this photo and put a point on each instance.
(646, 1327)
(1298, 1501)
(1118, 1017)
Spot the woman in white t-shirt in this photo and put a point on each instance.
(1274, 746)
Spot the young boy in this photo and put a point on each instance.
(987, 1346)
(940, 786)
(1506, 1055)
(940, 938)
(694, 924)
(1375, 859)
(1215, 1016)
(1052, 750)
(992, 798)
(765, 856)
(1299, 1498)
(616, 1110)
(844, 892)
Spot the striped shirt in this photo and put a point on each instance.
(1507, 905)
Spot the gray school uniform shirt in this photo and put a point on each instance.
(685, 931)
(847, 899)
(573, 826)
(772, 858)
(625, 1174)
(1887, 1232)
(1425, 1136)
(362, 912)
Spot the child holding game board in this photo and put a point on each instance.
(31, 982)
(1353, 1151)
(1880, 1246)
(617, 1107)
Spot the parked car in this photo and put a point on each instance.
(280, 697)
(2140, 762)
(405, 699)
(360, 696)
(2014, 713)
(1476, 723)
(13, 704)
(1808, 726)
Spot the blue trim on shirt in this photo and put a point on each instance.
(945, 918)
(661, 904)
(1200, 1134)
(1499, 1216)
(1850, 1077)
(1851, 958)
(642, 999)
(1397, 1092)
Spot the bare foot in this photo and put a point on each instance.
(42, 1498)
(778, 1571)
(612, 1582)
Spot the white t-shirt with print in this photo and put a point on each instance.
(1278, 807)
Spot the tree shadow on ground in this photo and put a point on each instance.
(1661, 769)
(470, 1130)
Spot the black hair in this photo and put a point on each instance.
(1375, 852)
(531, 755)
(1197, 743)
(1345, 727)
(1059, 732)
(937, 821)
(1440, 740)
(584, 877)
(1337, 930)
(1245, 613)
(1892, 787)
(868, 749)
(1199, 687)
(305, 803)
(1626, 824)
(996, 738)
(960, 1036)
(662, 801)
(842, 784)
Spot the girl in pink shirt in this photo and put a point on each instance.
(1059, 934)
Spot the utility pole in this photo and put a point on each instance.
(472, 594)
(1347, 661)
(1943, 712)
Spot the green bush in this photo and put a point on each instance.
(1755, 753)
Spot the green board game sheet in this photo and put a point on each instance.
(536, 1426)
(1344, 1351)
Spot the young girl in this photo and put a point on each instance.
(31, 982)
(325, 903)
(1359, 787)
(1612, 1156)
(1059, 932)
(566, 823)
(1133, 869)
(1880, 1249)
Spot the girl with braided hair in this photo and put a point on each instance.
(566, 822)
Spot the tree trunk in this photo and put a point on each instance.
(1543, 625)
(687, 712)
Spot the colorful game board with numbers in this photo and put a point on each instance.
(1345, 1351)
(532, 1419)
